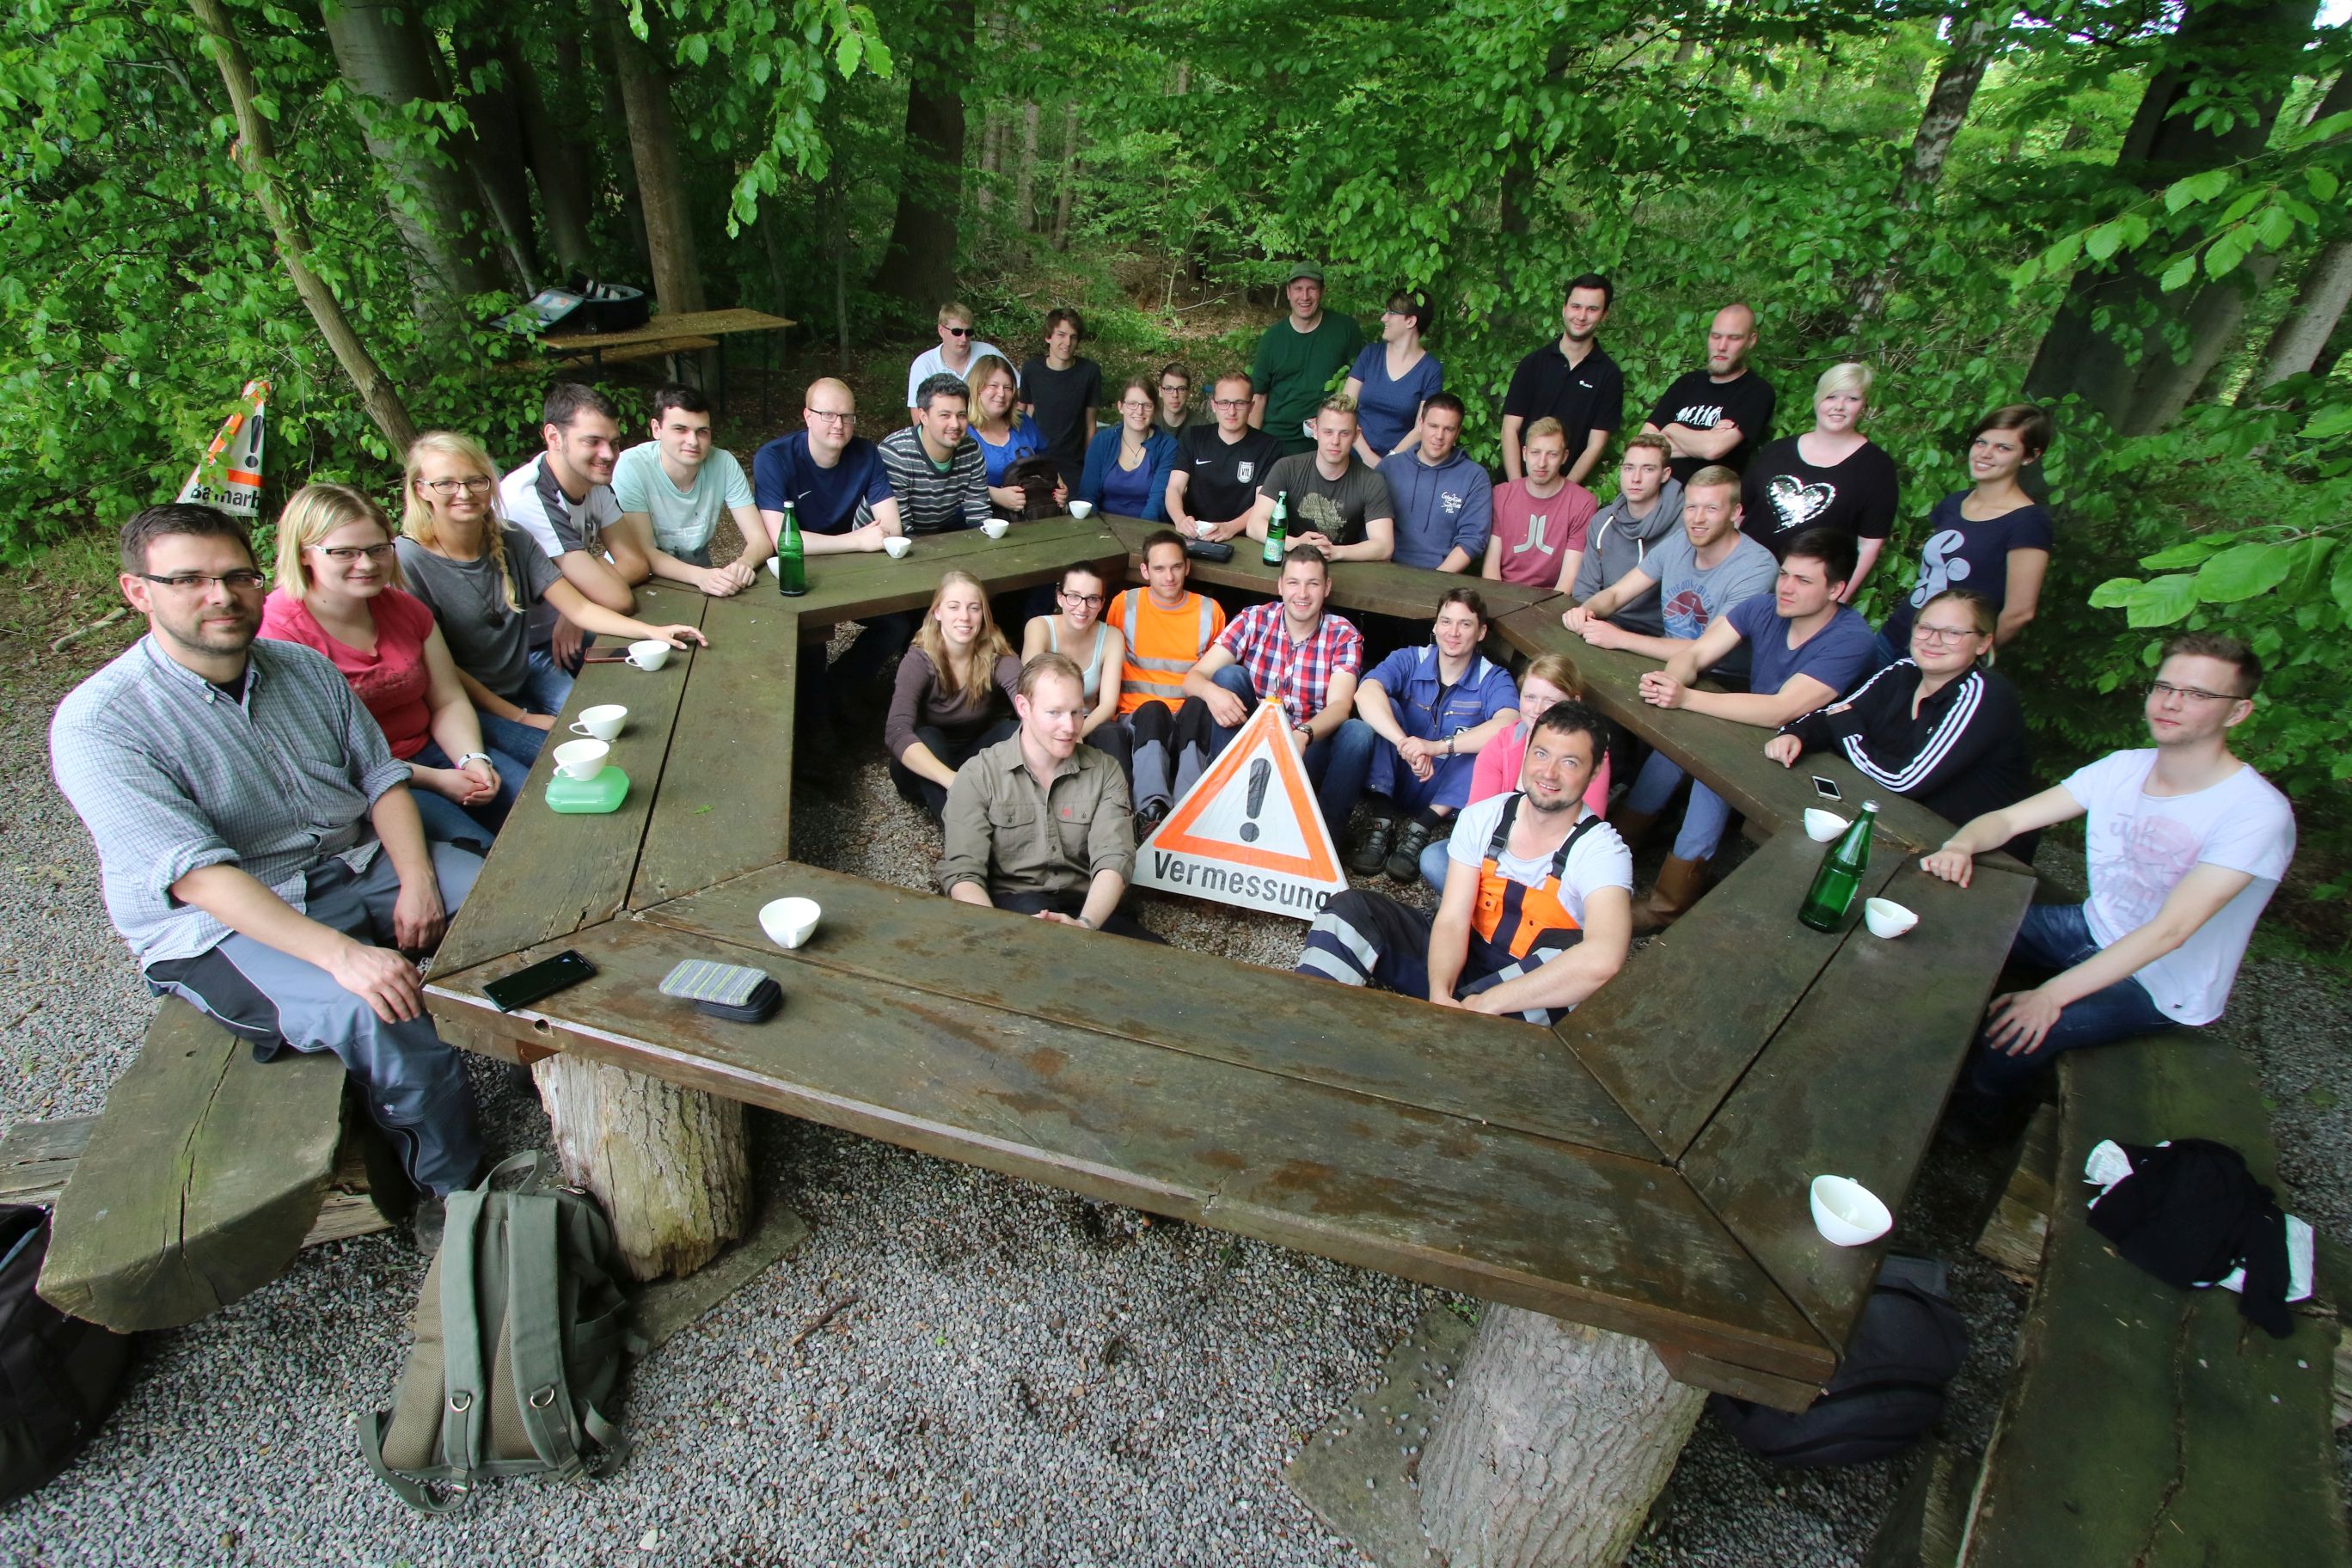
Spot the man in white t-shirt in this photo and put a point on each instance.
(2185, 844)
(1540, 920)
(563, 499)
(671, 489)
(959, 346)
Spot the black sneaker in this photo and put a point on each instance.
(1404, 860)
(1148, 817)
(1372, 848)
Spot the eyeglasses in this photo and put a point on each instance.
(1229, 403)
(445, 489)
(958, 331)
(1134, 407)
(344, 555)
(841, 417)
(1082, 598)
(1943, 634)
(1175, 386)
(243, 582)
(2163, 688)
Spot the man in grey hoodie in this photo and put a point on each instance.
(1648, 508)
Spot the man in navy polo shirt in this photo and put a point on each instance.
(1573, 380)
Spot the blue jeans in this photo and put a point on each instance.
(1337, 765)
(447, 822)
(548, 685)
(544, 690)
(2057, 937)
(1704, 820)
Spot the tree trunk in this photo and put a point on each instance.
(670, 1165)
(1552, 1447)
(558, 159)
(2310, 322)
(257, 152)
(486, 86)
(992, 159)
(661, 181)
(918, 264)
(1067, 196)
(625, 168)
(1025, 184)
(2130, 370)
(382, 53)
(1975, 37)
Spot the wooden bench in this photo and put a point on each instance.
(204, 1177)
(628, 353)
(2142, 1423)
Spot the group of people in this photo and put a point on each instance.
(290, 786)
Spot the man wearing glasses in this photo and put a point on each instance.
(2185, 844)
(958, 347)
(1218, 467)
(257, 846)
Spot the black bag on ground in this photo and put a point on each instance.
(57, 1374)
(520, 1328)
(1889, 1389)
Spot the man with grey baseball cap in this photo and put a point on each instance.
(1297, 360)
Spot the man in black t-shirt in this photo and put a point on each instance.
(1721, 413)
(1218, 467)
(1573, 380)
(1060, 389)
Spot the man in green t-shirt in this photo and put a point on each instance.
(1296, 360)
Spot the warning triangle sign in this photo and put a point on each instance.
(228, 475)
(1249, 831)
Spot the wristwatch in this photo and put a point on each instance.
(471, 757)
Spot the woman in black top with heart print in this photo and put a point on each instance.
(1830, 477)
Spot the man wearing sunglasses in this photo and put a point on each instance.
(257, 846)
(2185, 844)
(958, 347)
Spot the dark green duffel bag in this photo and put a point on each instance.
(521, 1330)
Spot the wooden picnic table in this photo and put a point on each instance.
(679, 331)
(1643, 1168)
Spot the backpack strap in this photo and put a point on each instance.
(464, 1413)
(535, 1334)
(414, 1493)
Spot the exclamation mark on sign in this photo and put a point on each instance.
(1261, 775)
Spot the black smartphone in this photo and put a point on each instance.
(543, 979)
(1827, 788)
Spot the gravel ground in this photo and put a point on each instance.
(1017, 1376)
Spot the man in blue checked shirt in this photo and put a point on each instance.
(257, 843)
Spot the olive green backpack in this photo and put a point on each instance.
(520, 1330)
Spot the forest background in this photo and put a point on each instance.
(2132, 210)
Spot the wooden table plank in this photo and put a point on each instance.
(724, 807)
(668, 324)
(1378, 587)
(1031, 553)
(1674, 1032)
(1512, 1217)
(1369, 1042)
(1852, 1084)
(549, 873)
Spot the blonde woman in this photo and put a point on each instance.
(1832, 476)
(954, 693)
(1006, 436)
(481, 576)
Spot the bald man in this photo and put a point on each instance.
(1721, 413)
(827, 471)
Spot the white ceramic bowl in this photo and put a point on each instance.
(771, 566)
(600, 723)
(896, 546)
(1885, 918)
(650, 654)
(1847, 1213)
(994, 527)
(789, 922)
(1082, 509)
(581, 759)
(1821, 827)
(1204, 528)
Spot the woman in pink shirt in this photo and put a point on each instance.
(1548, 680)
(339, 591)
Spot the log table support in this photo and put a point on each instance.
(670, 1165)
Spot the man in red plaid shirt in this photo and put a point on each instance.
(1289, 649)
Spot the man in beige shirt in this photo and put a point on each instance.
(1039, 824)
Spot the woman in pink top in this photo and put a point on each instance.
(1548, 680)
(339, 591)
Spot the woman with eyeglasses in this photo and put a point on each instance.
(1936, 726)
(1392, 380)
(481, 576)
(1127, 466)
(1078, 631)
(340, 592)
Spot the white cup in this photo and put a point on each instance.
(1821, 827)
(600, 723)
(1082, 509)
(651, 654)
(1886, 919)
(789, 922)
(771, 566)
(896, 546)
(581, 759)
(994, 527)
(1847, 1213)
(1204, 528)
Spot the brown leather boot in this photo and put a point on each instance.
(1680, 883)
(1633, 827)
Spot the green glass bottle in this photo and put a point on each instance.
(1277, 531)
(791, 571)
(1830, 897)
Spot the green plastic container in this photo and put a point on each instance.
(601, 794)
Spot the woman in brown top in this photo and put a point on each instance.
(954, 693)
